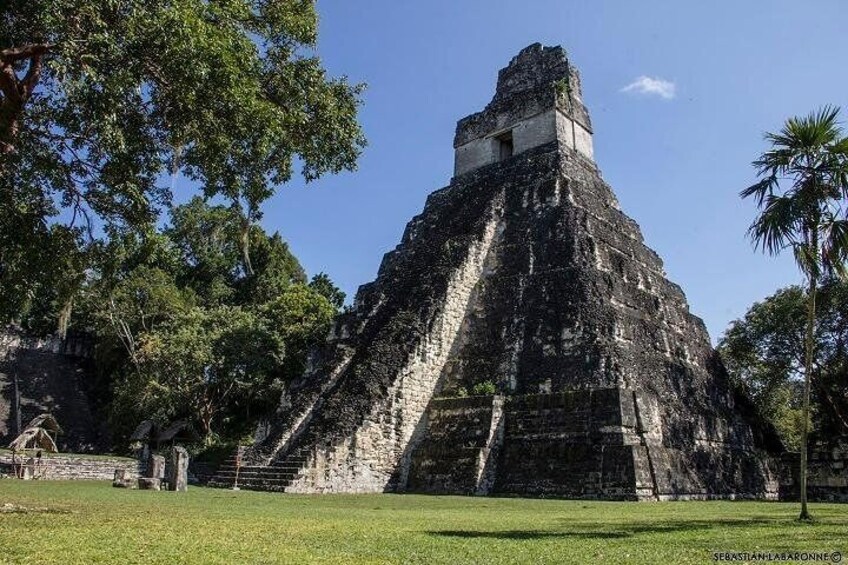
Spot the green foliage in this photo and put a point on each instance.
(99, 99)
(322, 284)
(183, 331)
(485, 388)
(274, 266)
(205, 361)
(765, 353)
(303, 317)
(563, 87)
(206, 238)
(802, 194)
(42, 293)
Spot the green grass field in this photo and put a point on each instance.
(91, 522)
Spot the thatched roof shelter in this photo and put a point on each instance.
(34, 437)
(47, 422)
(181, 430)
(178, 431)
(144, 432)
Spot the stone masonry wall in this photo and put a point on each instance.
(528, 107)
(579, 444)
(78, 467)
(827, 478)
(574, 444)
(52, 375)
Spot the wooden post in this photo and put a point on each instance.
(239, 451)
(17, 404)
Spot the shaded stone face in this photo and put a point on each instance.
(49, 376)
(525, 274)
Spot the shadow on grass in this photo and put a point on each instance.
(694, 525)
(529, 534)
(589, 531)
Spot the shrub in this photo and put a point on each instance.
(485, 388)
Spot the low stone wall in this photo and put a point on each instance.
(827, 479)
(76, 467)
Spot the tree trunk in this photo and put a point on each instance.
(17, 91)
(245, 246)
(65, 318)
(808, 370)
(18, 428)
(206, 415)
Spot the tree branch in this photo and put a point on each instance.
(27, 85)
(15, 54)
(9, 84)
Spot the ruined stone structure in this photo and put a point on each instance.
(523, 273)
(49, 375)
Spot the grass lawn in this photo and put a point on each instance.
(91, 522)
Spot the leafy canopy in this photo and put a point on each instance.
(765, 353)
(101, 99)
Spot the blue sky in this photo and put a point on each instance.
(677, 164)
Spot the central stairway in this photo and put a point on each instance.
(274, 477)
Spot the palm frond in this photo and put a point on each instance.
(773, 161)
(760, 190)
(816, 130)
(774, 229)
(835, 246)
(839, 165)
(807, 260)
(37, 437)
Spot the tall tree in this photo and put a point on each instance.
(803, 200)
(182, 330)
(99, 98)
(207, 238)
(42, 294)
(201, 362)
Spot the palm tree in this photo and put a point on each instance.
(803, 198)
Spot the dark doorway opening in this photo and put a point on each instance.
(505, 147)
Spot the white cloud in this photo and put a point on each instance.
(648, 85)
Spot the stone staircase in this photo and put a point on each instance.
(274, 477)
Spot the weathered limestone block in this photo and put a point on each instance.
(122, 479)
(156, 466)
(80, 467)
(178, 477)
(149, 483)
(39, 375)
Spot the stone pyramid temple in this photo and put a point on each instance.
(521, 340)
